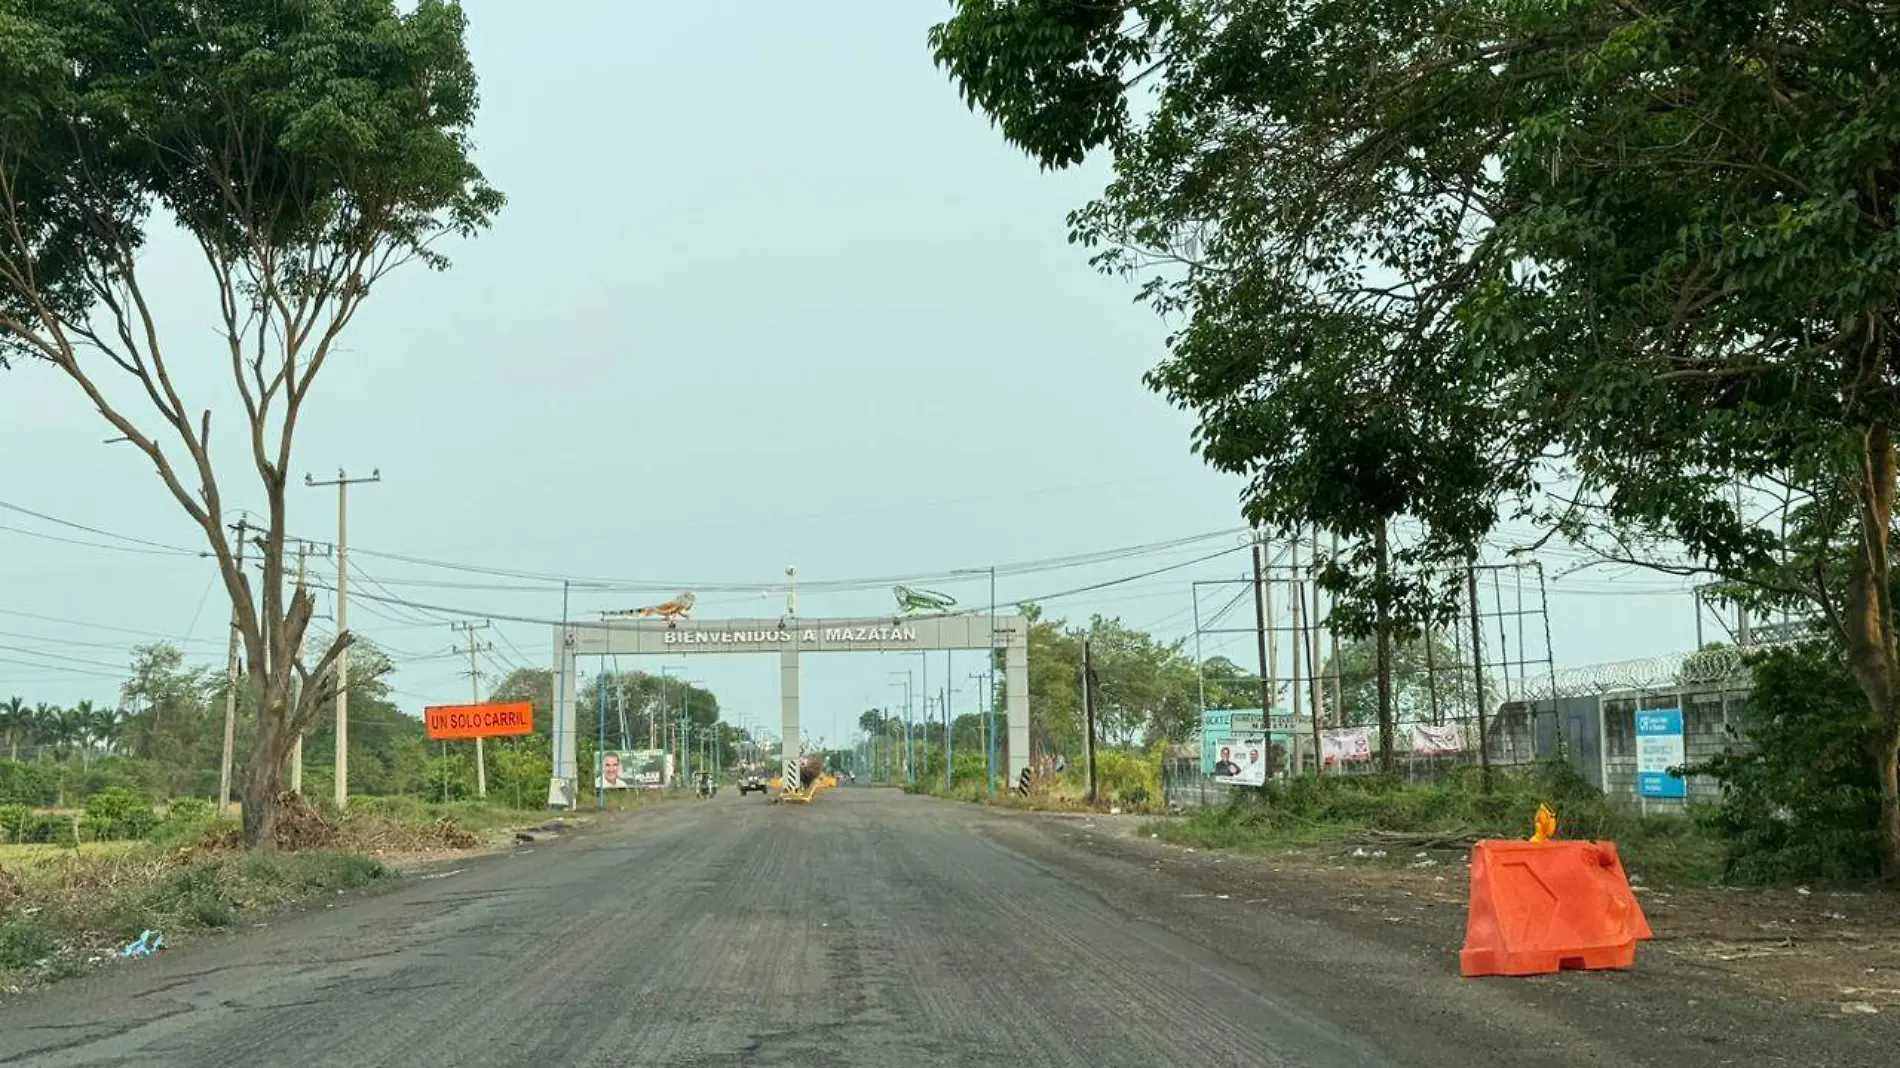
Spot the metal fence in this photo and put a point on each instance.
(1185, 787)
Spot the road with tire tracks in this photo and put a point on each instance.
(878, 930)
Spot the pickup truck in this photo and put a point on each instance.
(749, 782)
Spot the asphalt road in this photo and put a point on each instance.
(870, 929)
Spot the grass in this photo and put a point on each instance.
(1309, 814)
(73, 910)
(20, 857)
(62, 909)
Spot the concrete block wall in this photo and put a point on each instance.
(1708, 718)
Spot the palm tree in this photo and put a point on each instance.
(107, 726)
(14, 718)
(43, 726)
(68, 729)
(91, 726)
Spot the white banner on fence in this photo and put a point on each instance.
(1428, 740)
(1352, 745)
(1242, 761)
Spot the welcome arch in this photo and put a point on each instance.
(790, 638)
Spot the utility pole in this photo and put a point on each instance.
(1312, 637)
(1742, 636)
(343, 482)
(1260, 628)
(231, 685)
(984, 699)
(296, 747)
(1477, 673)
(468, 630)
(1088, 715)
(1383, 624)
(1296, 600)
(1332, 638)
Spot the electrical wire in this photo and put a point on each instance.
(9, 506)
(100, 626)
(94, 544)
(464, 611)
(57, 669)
(950, 576)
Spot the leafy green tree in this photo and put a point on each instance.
(307, 150)
(535, 686)
(1432, 258)
(1710, 211)
(171, 721)
(1427, 683)
(389, 750)
(1802, 801)
(1312, 266)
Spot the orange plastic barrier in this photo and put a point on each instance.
(1542, 907)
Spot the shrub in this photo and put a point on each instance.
(1127, 777)
(24, 941)
(13, 820)
(27, 827)
(1805, 803)
(189, 810)
(116, 813)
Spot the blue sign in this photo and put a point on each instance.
(1660, 746)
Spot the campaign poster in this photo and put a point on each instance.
(1241, 760)
(632, 769)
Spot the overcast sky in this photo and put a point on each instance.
(765, 294)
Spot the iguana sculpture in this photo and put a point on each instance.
(673, 609)
(909, 600)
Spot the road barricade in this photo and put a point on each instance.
(1545, 906)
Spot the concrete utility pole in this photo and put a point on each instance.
(343, 482)
(468, 630)
(296, 693)
(231, 685)
(1260, 630)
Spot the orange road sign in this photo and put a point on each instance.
(449, 722)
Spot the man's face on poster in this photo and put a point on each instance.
(610, 767)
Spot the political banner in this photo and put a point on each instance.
(1429, 740)
(1242, 761)
(633, 769)
(1352, 745)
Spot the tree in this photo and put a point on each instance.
(1802, 802)
(171, 720)
(1145, 688)
(1427, 685)
(1633, 252)
(307, 150)
(1692, 279)
(1306, 261)
(393, 758)
(1313, 266)
(13, 723)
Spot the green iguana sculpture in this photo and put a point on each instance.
(909, 600)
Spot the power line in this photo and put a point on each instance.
(465, 610)
(747, 586)
(57, 669)
(968, 574)
(96, 545)
(102, 626)
(101, 533)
